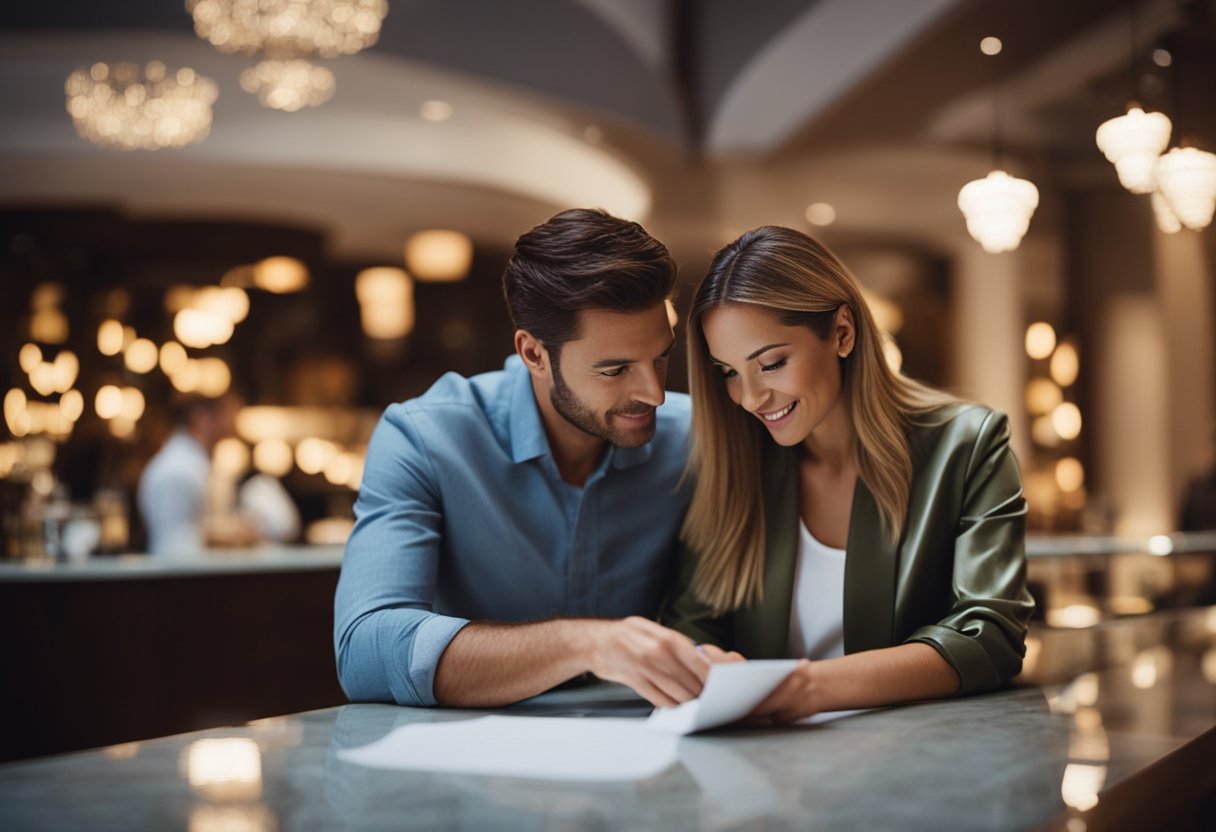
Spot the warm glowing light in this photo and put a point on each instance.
(998, 210)
(71, 404)
(109, 337)
(313, 455)
(1074, 616)
(1066, 419)
(44, 379)
(1133, 142)
(1167, 220)
(280, 275)
(1208, 665)
(228, 769)
(46, 296)
(231, 456)
(132, 407)
(1085, 689)
(178, 298)
(29, 357)
(340, 468)
(991, 46)
(1160, 545)
(435, 111)
(108, 402)
(289, 85)
(1044, 432)
(1186, 177)
(820, 213)
(329, 531)
(186, 379)
(386, 302)
(1070, 474)
(15, 412)
(49, 326)
(1040, 340)
(1081, 784)
(132, 107)
(887, 314)
(229, 302)
(141, 356)
(327, 28)
(173, 358)
(1150, 665)
(66, 370)
(231, 817)
(1065, 364)
(273, 457)
(201, 329)
(439, 256)
(1042, 396)
(214, 377)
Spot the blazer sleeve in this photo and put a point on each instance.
(984, 635)
(688, 614)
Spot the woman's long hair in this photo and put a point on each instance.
(802, 284)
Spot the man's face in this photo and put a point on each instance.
(609, 382)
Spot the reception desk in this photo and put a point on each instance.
(114, 649)
(1120, 738)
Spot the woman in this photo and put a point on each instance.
(843, 514)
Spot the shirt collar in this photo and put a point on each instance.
(528, 437)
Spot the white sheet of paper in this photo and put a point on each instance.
(731, 691)
(549, 748)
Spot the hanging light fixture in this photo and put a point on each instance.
(998, 207)
(1186, 177)
(132, 107)
(1133, 142)
(1167, 220)
(288, 32)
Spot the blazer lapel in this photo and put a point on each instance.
(869, 577)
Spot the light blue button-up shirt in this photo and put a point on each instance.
(462, 515)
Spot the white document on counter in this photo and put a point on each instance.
(731, 691)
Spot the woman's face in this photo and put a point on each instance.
(786, 376)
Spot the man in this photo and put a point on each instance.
(516, 529)
(172, 493)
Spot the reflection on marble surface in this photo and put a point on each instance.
(1015, 759)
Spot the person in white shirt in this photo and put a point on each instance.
(172, 493)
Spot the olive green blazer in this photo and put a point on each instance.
(956, 579)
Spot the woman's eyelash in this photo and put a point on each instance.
(776, 365)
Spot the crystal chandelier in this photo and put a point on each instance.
(1186, 177)
(998, 210)
(132, 107)
(1133, 142)
(287, 32)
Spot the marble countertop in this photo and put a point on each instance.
(1054, 753)
(213, 562)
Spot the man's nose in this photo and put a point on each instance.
(650, 386)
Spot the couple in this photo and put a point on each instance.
(525, 527)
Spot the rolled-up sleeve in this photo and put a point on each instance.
(983, 637)
(387, 638)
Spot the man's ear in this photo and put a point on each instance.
(532, 351)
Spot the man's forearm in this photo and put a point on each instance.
(488, 665)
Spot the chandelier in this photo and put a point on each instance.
(132, 107)
(288, 32)
(998, 210)
(1133, 142)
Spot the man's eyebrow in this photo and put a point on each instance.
(620, 362)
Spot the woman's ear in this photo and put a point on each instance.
(844, 331)
(532, 351)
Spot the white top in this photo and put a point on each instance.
(817, 611)
(172, 496)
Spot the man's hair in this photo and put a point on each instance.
(583, 259)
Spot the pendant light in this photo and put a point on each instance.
(998, 207)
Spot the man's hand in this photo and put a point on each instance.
(717, 655)
(660, 664)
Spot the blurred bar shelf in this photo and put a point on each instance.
(1082, 545)
(213, 562)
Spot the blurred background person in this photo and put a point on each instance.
(173, 488)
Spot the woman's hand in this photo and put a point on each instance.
(795, 698)
(717, 655)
